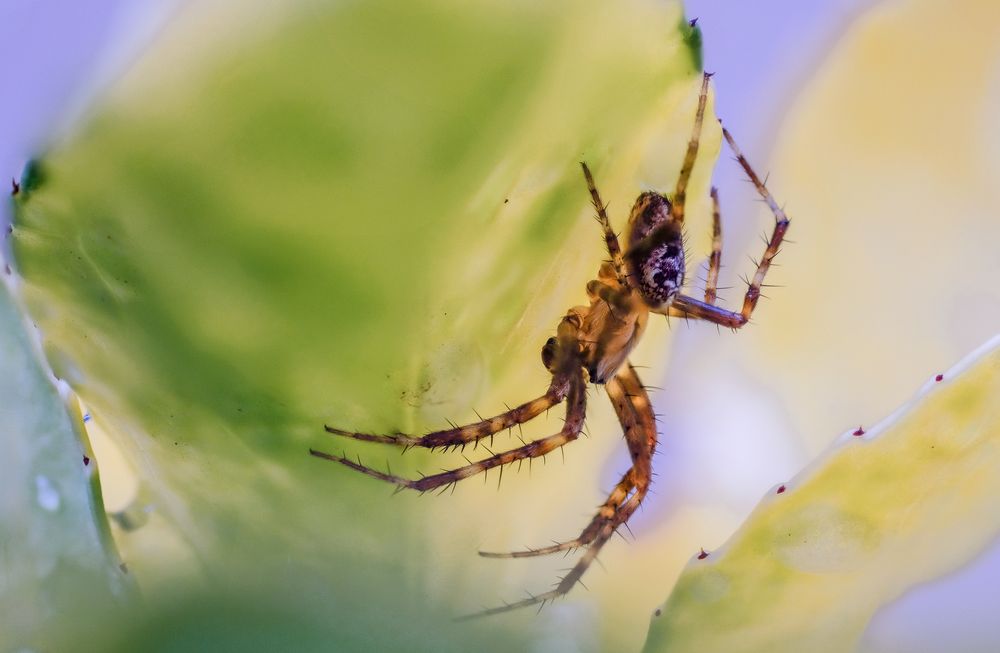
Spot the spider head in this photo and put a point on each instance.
(654, 255)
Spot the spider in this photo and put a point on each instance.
(592, 344)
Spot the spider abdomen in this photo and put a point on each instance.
(660, 274)
(655, 255)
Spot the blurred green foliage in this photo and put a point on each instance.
(57, 562)
(369, 214)
(878, 513)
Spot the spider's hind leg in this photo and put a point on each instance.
(685, 306)
(715, 260)
(680, 191)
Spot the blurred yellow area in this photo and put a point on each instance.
(887, 164)
(888, 161)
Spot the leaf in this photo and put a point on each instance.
(363, 214)
(907, 500)
(57, 559)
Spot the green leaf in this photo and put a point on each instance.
(875, 515)
(57, 559)
(370, 215)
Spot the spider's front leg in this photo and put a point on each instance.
(561, 356)
(459, 436)
(631, 404)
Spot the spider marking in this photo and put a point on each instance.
(592, 344)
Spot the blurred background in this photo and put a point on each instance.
(876, 123)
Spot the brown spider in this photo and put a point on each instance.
(592, 344)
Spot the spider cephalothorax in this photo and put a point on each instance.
(592, 344)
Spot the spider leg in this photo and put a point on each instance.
(631, 403)
(715, 260)
(624, 390)
(680, 192)
(575, 412)
(689, 307)
(605, 514)
(462, 435)
(610, 238)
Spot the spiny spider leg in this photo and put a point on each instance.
(628, 416)
(689, 307)
(576, 405)
(715, 260)
(462, 435)
(610, 238)
(680, 193)
(604, 514)
(780, 227)
(632, 404)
